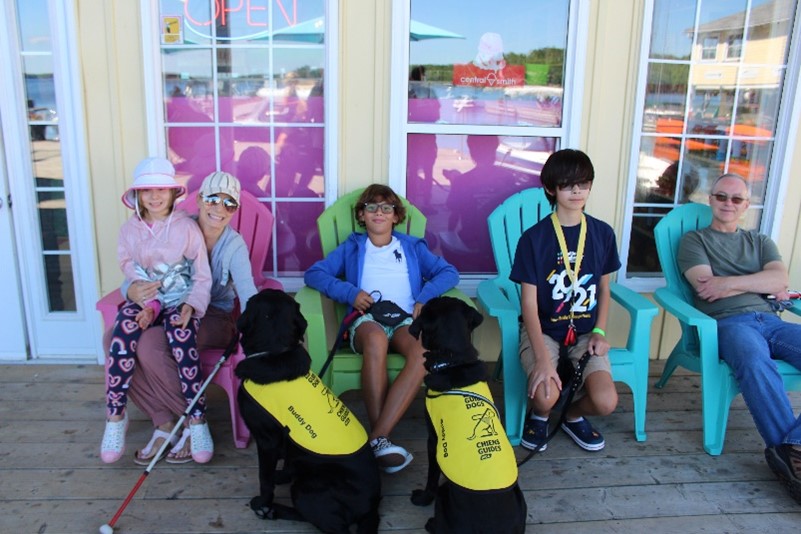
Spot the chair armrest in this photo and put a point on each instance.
(495, 302)
(456, 293)
(642, 312)
(796, 308)
(108, 306)
(311, 306)
(689, 315)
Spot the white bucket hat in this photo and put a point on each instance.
(221, 182)
(152, 173)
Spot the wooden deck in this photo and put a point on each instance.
(51, 421)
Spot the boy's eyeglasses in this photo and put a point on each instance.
(723, 197)
(228, 203)
(372, 207)
(581, 185)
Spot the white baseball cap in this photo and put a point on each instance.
(152, 173)
(221, 182)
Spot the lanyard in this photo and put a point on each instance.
(570, 337)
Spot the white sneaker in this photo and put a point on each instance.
(383, 448)
(113, 445)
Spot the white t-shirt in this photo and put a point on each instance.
(385, 270)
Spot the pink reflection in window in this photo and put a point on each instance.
(471, 176)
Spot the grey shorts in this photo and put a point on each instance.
(596, 363)
(368, 318)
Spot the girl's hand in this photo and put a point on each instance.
(145, 317)
(416, 311)
(363, 301)
(186, 316)
(142, 291)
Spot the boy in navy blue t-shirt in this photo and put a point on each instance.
(565, 304)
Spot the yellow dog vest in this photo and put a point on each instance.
(472, 448)
(317, 420)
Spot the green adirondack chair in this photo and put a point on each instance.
(335, 224)
(697, 348)
(500, 297)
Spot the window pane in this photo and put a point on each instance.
(34, 26)
(60, 285)
(243, 88)
(732, 80)
(489, 69)
(670, 39)
(458, 180)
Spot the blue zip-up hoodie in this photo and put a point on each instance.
(429, 275)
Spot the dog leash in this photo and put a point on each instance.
(575, 382)
(346, 322)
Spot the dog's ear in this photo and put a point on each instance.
(473, 317)
(245, 320)
(300, 323)
(416, 327)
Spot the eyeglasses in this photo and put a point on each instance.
(723, 197)
(372, 207)
(586, 184)
(228, 203)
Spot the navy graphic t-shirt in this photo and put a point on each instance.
(538, 261)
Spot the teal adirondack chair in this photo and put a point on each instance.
(697, 348)
(335, 224)
(500, 297)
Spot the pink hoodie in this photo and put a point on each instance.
(167, 242)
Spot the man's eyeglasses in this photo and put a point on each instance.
(581, 185)
(372, 207)
(228, 203)
(723, 197)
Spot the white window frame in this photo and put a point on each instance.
(399, 127)
(778, 179)
(154, 99)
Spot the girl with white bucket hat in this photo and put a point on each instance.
(158, 243)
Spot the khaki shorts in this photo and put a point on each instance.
(596, 363)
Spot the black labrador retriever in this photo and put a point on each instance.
(466, 440)
(292, 415)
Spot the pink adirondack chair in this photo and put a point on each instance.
(254, 221)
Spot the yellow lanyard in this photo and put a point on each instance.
(570, 338)
(560, 236)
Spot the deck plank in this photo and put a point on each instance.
(51, 420)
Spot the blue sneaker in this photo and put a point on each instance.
(584, 435)
(535, 434)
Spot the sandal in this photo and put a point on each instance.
(201, 445)
(113, 444)
(145, 456)
(180, 447)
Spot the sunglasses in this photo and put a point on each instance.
(228, 203)
(581, 185)
(372, 207)
(723, 197)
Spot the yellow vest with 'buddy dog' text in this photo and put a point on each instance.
(317, 420)
(472, 448)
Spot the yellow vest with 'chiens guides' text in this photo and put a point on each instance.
(472, 448)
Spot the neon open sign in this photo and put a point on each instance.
(254, 11)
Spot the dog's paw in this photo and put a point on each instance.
(283, 476)
(261, 508)
(422, 497)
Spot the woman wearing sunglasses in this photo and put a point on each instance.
(155, 387)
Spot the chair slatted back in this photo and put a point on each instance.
(337, 222)
(507, 223)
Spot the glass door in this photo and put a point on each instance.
(50, 239)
